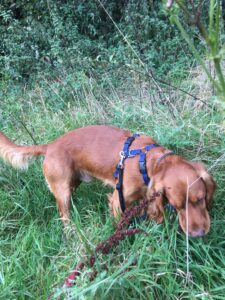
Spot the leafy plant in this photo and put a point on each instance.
(211, 32)
(50, 37)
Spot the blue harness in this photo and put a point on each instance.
(126, 153)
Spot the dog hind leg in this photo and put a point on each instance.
(60, 180)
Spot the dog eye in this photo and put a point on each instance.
(200, 200)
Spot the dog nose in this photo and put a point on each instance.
(197, 233)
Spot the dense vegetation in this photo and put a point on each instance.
(64, 64)
(78, 37)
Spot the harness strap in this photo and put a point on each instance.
(119, 169)
(119, 187)
(142, 163)
(124, 154)
(129, 141)
(142, 167)
(134, 152)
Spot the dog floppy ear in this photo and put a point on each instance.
(155, 209)
(209, 182)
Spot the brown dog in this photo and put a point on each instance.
(93, 151)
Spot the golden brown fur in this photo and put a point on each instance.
(93, 151)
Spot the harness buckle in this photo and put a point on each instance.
(122, 157)
(122, 154)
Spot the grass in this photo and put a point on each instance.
(34, 256)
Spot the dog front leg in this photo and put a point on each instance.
(114, 204)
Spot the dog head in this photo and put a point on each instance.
(189, 189)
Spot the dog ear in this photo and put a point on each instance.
(209, 182)
(155, 209)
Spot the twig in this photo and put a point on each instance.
(28, 131)
(173, 87)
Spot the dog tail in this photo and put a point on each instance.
(19, 156)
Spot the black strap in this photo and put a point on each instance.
(165, 155)
(119, 187)
(119, 170)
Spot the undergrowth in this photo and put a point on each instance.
(34, 256)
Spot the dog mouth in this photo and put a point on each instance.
(193, 231)
(192, 227)
(197, 233)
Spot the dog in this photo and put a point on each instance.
(93, 152)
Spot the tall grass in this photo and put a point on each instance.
(34, 256)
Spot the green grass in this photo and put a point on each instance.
(34, 256)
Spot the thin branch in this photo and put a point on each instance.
(172, 86)
(28, 131)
